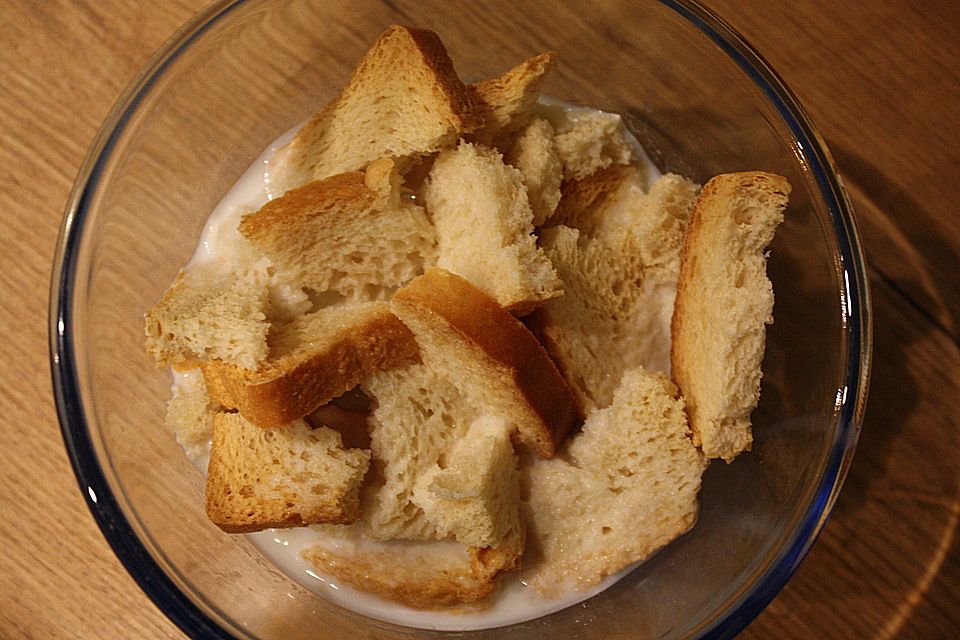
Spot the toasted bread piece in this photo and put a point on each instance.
(626, 486)
(421, 577)
(285, 477)
(619, 272)
(190, 412)
(505, 103)
(420, 422)
(534, 153)
(485, 228)
(350, 234)
(588, 140)
(312, 360)
(724, 299)
(493, 360)
(404, 99)
(206, 315)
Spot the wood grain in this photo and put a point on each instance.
(881, 80)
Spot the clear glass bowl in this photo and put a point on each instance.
(700, 100)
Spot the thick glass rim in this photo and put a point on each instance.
(186, 614)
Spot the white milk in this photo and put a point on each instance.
(513, 602)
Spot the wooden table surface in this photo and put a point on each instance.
(881, 78)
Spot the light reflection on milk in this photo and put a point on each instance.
(221, 247)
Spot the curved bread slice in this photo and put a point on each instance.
(286, 477)
(422, 578)
(494, 360)
(505, 102)
(350, 234)
(626, 486)
(403, 99)
(534, 153)
(724, 299)
(484, 228)
(311, 361)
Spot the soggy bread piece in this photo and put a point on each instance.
(485, 228)
(493, 360)
(619, 271)
(420, 422)
(589, 140)
(190, 411)
(205, 316)
(423, 577)
(312, 360)
(626, 486)
(350, 234)
(285, 477)
(534, 154)
(724, 299)
(404, 99)
(505, 102)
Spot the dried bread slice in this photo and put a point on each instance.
(493, 360)
(724, 299)
(285, 477)
(534, 154)
(206, 315)
(626, 486)
(403, 99)
(619, 271)
(484, 227)
(423, 576)
(312, 360)
(350, 234)
(504, 103)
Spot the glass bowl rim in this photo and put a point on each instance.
(854, 290)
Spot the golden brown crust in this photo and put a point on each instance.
(711, 201)
(507, 344)
(293, 386)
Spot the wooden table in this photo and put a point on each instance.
(881, 79)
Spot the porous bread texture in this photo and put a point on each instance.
(207, 315)
(492, 359)
(285, 477)
(312, 360)
(474, 496)
(505, 103)
(619, 271)
(351, 234)
(588, 140)
(626, 486)
(484, 228)
(403, 99)
(534, 154)
(190, 411)
(446, 471)
(420, 577)
(724, 300)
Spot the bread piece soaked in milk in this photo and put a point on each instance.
(724, 300)
(190, 412)
(626, 486)
(619, 268)
(484, 227)
(588, 140)
(448, 470)
(208, 315)
(422, 576)
(312, 360)
(505, 103)
(534, 154)
(492, 359)
(285, 477)
(404, 99)
(351, 234)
